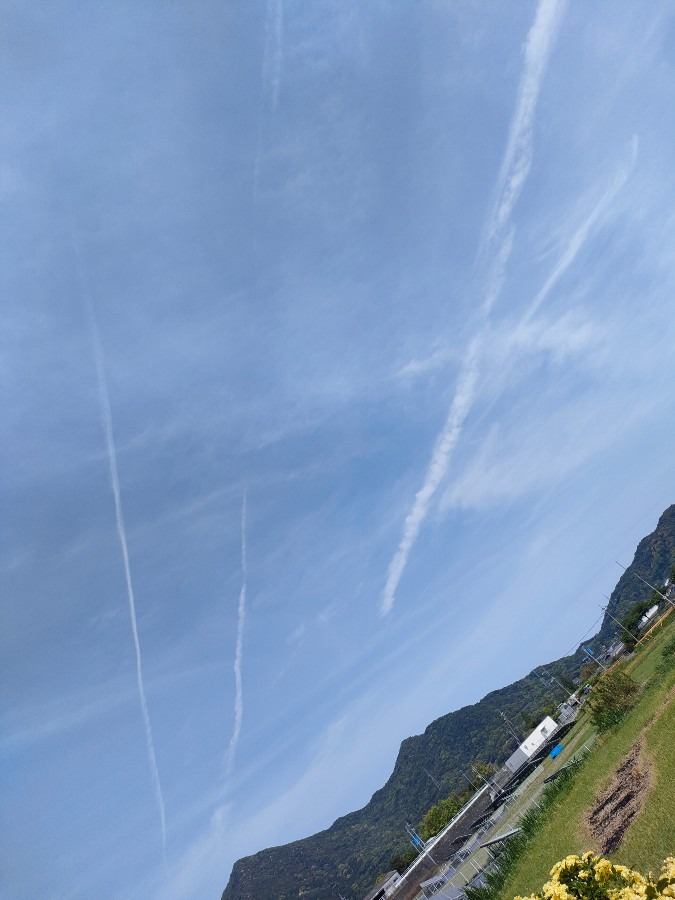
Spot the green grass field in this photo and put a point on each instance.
(651, 836)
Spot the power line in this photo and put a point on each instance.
(575, 646)
(606, 609)
(656, 590)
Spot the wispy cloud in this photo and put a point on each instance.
(493, 256)
(582, 233)
(106, 418)
(436, 360)
(541, 453)
(241, 618)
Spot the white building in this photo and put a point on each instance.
(531, 744)
(648, 616)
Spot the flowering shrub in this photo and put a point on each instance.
(590, 877)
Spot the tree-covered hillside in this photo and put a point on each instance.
(653, 561)
(348, 856)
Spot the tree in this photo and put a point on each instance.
(439, 815)
(587, 672)
(611, 698)
(400, 861)
(637, 611)
(487, 770)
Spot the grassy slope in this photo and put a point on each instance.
(652, 836)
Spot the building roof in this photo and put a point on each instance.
(501, 837)
(382, 885)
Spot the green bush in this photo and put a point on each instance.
(611, 698)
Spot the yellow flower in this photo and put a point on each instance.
(553, 890)
(589, 867)
(603, 870)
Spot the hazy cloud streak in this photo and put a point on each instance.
(582, 233)
(241, 619)
(494, 254)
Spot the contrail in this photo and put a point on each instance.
(238, 699)
(518, 156)
(440, 458)
(106, 417)
(494, 254)
(271, 75)
(273, 54)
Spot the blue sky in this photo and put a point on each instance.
(402, 276)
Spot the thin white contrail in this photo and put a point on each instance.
(493, 255)
(273, 53)
(241, 619)
(106, 418)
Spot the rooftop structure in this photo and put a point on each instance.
(384, 887)
(651, 612)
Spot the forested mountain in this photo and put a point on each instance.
(348, 856)
(653, 560)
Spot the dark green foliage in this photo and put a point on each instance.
(588, 673)
(440, 814)
(611, 698)
(487, 770)
(347, 856)
(402, 860)
(636, 612)
(549, 709)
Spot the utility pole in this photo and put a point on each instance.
(487, 781)
(511, 728)
(440, 788)
(552, 678)
(475, 787)
(418, 843)
(586, 650)
(559, 683)
(606, 609)
(656, 590)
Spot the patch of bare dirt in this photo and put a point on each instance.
(620, 803)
